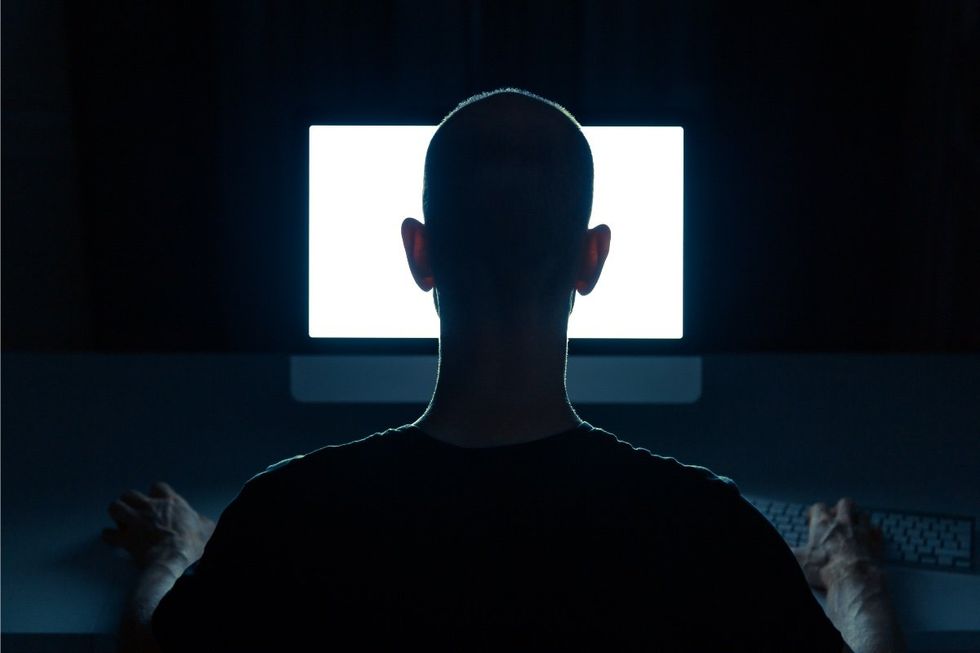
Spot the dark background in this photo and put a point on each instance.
(154, 181)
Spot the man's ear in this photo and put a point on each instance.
(416, 242)
(594, 254)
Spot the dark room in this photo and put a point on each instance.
(490, 325)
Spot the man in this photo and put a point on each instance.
(499, 519)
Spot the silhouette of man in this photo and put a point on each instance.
(499, 519)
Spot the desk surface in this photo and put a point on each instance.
(78, 429)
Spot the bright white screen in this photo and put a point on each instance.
(364, 180)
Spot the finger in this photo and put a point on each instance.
(161, 490)
(817, 512)
(112, 536)
(811, 569)
(122, 513)
(800, 553)
(135, 498)
(846, 510)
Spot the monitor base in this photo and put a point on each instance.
(411, 379)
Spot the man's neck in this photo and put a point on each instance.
(500, 394)
(479, 428)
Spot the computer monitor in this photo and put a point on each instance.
(365, 179)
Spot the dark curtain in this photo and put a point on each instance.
(832, 156)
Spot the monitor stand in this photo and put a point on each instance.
(591, 379)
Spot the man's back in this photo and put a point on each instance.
(571, 539)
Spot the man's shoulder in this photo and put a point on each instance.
(597, 449)
(303, 464)
(663, 469)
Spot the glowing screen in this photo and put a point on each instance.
(364, 180)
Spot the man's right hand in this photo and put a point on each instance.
(839, 537)
(840, 558)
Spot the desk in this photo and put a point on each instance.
(892, 431)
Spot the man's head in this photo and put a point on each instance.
(507, 198)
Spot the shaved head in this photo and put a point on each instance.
(507, 198)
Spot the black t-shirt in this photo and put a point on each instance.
(570, 542)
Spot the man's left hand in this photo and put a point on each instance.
(159, 527)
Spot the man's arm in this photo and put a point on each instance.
(839, 559)
(165, 536)
(858, 604)
(154, 582)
